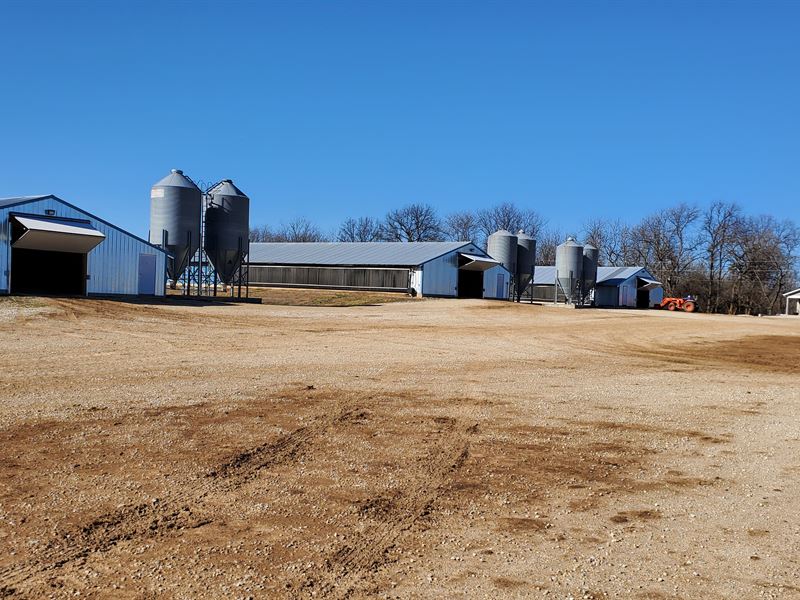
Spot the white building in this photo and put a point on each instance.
(446, 269)
(617, 287)
(49, 246)
(792, 302)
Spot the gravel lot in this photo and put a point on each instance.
(421, 449)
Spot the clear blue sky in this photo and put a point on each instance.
(336, 109)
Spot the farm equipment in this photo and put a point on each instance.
(687, 304)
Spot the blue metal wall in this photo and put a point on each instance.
(440, 275)
(113, 266)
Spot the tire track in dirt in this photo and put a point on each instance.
(357, 560)
(172, 513)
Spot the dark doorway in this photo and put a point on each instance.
(642, 299)
(47, 272)
(470, 284)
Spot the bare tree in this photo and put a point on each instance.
(681, 220)
(261, 233)
(301, 230)
(462, 226)
(546, 244)
(412, 223)
(510, 217)
(297, 230)
(731, 262)
(763, 264)
(595, 232)
(362, 229)
(665, 243)
(720, 221)
(611, 238)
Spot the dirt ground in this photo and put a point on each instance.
(318, 297)
(426, 449)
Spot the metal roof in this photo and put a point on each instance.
(176, 178)
(226, 188)
(19, 200)
(605, 275)
(399, 254)
(792, 293)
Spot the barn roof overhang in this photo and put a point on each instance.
(54, 234)
(477, 263)
(646, 284)
(793, 294)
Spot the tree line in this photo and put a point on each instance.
(732, 262)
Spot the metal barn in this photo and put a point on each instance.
(49, 246)
(616, 287)
(445, 269)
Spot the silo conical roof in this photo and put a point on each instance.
(176, 178)
(226, 188)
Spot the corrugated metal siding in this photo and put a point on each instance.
(440, 275)
(113, 266)
(606, 295)
(354, 277)
(491, 281)
(627, 293)
(544, 293)
(546, 275)
(436, 277)
(656, 296)
(624, 295)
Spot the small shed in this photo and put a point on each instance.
(444, 269)
(627, 287)
(49, 246)
(616, 287)
(793, 302)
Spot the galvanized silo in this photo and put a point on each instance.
(175, 204)
(502, 246)
(227, 228)
(526, 258)
(569, 268)
(590, 257)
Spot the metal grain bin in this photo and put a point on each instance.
(227, 219)
(175, 204)
(502, 246)
(569, 269)
(526, 258)
(590, 257)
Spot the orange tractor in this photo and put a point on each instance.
(687, 304)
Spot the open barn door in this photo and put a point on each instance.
(49, 255)
(470, 274)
